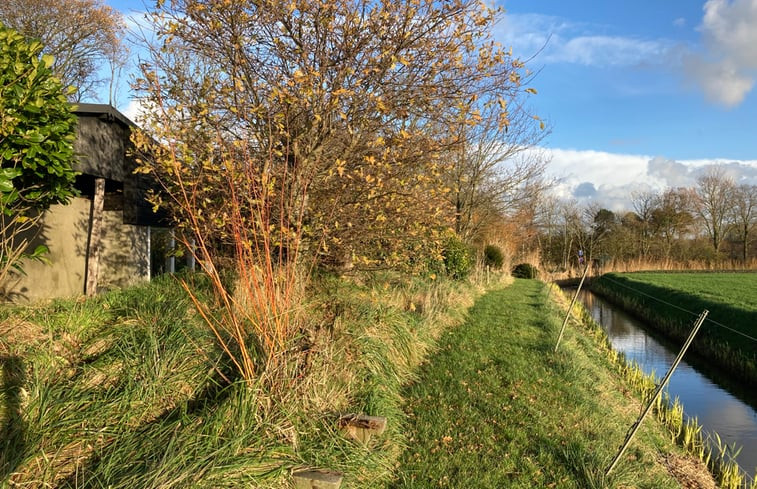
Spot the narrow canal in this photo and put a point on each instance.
(720, 406)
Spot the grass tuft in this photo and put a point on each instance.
(130, 389)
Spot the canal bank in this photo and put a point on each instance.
(496, 406)
(718, 404)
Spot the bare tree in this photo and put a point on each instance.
(82, 35)
(497, 170)
(745, 216)
(672, 218)
(574, 234)
(643, 205)
(713, 202)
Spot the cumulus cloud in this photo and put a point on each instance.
(555, 40)
(609, 179)
(726, 70)
(585, 190)
(670, 173)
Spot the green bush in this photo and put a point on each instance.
(493, 257)
(525, 270)
(458, 258)
(37, 130)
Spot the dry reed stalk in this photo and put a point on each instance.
(259, 204)
(258, 316)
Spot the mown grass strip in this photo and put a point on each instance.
(495, 407)
(670, 301)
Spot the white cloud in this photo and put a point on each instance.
(726, 71)
(554, 40)
(610, 178)
(136, 109)
(721, 81)
(728, 27)
(723, 66)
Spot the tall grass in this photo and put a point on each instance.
(642, 265)
(131, 389)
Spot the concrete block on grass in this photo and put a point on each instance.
(361, 427)
(317, 479)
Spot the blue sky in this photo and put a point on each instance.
(639, 95)
(615, 76)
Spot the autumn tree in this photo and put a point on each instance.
(314, 126)
(36, 147)
(81, 35)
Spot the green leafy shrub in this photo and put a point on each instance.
(458, 258)
(493, 257)
(525, 270)
(37, 131)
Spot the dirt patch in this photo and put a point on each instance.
(690, 472)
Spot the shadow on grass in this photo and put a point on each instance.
(13, 429)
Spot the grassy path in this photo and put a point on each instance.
(495, 407)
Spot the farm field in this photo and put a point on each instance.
(671, 302)
(736, 290)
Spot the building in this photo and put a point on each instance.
(101, 239)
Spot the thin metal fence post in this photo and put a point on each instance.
(570, 308)
(657, 392)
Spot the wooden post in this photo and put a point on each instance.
(95, 235)
(570, 308)
(191, 260)
(657, 392)
(149, 253)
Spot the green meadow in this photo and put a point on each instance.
(671, 301)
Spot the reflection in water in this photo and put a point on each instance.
(717, 409)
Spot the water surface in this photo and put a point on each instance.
(719, 404)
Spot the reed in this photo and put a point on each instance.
(642, 265)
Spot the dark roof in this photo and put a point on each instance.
(105, 111)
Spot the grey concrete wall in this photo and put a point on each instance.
(124, 257)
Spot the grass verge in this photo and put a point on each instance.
(129, 389)
(496, 407)
(671, 301)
